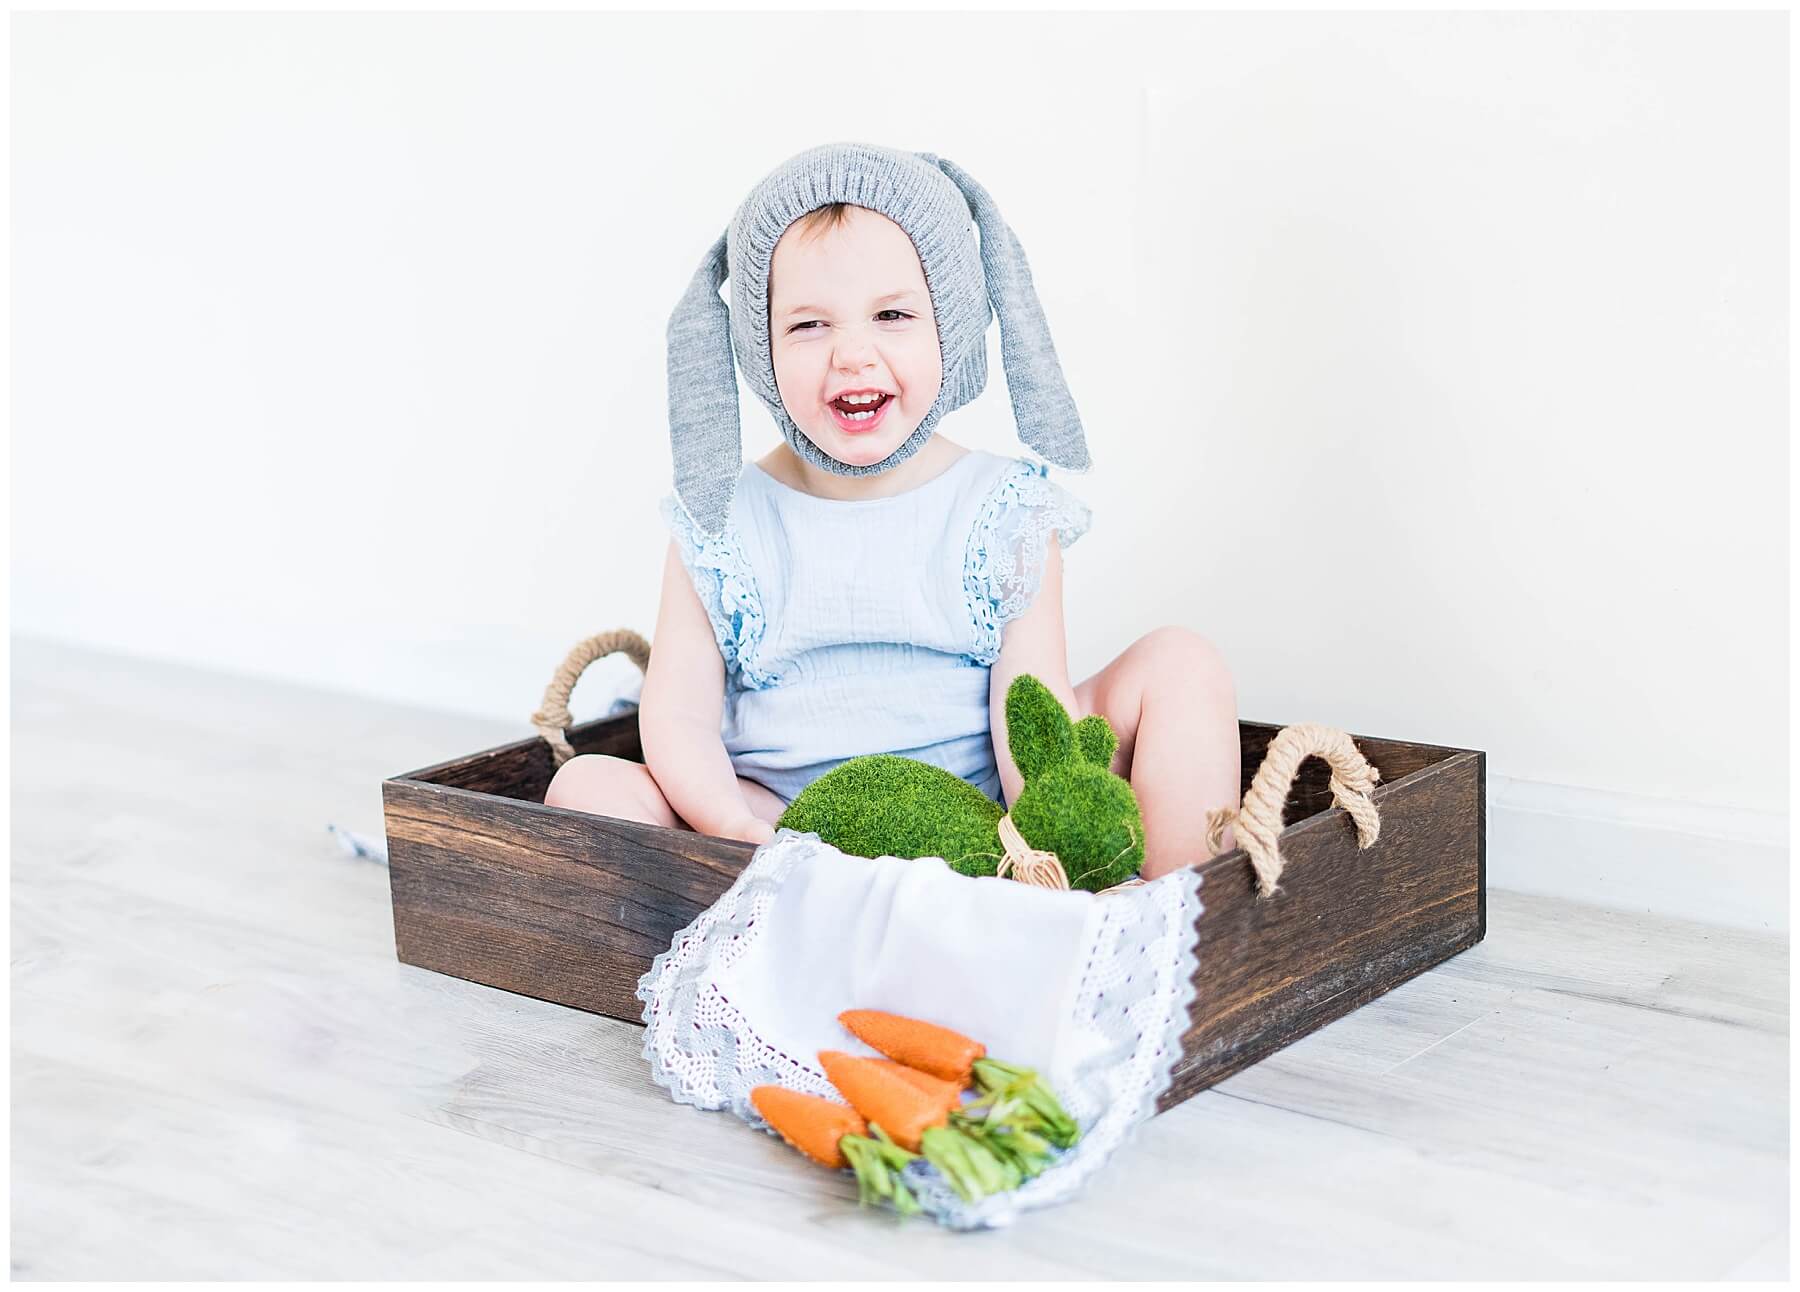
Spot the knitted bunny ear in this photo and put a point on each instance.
(704, 436)
(1042, 405)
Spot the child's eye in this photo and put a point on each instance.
(810, 323)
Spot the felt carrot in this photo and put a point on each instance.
(976, 1162)
(917, 1044)
(883, 1096)
(947, 1091)
(812, 1124)
(833, 1135)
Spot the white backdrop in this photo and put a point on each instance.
(1435, 365)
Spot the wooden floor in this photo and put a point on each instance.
(219, 1070)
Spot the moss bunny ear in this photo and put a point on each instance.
(704, 436)
(1096, 741)
(1042, 406)
(1038, 730)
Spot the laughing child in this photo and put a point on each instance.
(869, 586)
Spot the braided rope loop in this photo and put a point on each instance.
(1258, 821)
(552, 719)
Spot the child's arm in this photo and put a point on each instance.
(678, 717)
(1033, 643)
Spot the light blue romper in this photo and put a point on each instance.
(869, 627)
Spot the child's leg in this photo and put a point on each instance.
(1170, 699)
(614, 787)
(764, 802)
(620, 788)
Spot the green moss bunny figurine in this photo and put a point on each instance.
(884, 805)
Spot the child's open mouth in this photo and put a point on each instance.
(858, 417)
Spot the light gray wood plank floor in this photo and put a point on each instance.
(219, 1070)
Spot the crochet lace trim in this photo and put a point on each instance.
(700, 1048)
(1004, 563)
(727, 588)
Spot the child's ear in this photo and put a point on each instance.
(1038, 730)
(1095, 740)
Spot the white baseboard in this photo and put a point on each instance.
(1629, 852)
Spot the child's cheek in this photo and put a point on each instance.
(928, 370)
(791, 376)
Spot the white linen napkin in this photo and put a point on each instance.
(1092, 991)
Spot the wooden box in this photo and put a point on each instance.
(491, 885)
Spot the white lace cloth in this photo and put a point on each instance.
(1091, 991)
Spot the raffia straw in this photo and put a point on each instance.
(1038, 867)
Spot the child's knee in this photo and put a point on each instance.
(611, 786)
(1185, 653)
(582, 782)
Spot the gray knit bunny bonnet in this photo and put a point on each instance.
(932, 200)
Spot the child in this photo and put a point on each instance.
(869, 586)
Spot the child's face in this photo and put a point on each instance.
(849, 313)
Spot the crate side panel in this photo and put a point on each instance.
(1348, 925)
(586, 849)
(564, 906)
(599, 976)
(456, 886)
(1481, 842)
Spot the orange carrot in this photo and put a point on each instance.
(885, 1098)
(924, 1046)
(812, 1124)
(948, 1092)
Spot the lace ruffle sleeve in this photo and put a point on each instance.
(1007, 547)
(727, 588)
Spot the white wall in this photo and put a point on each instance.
(1434, 364)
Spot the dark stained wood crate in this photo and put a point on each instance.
(491, 885)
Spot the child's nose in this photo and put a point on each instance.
(853, 354)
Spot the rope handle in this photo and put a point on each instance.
(1258, 821)
(552, 718)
